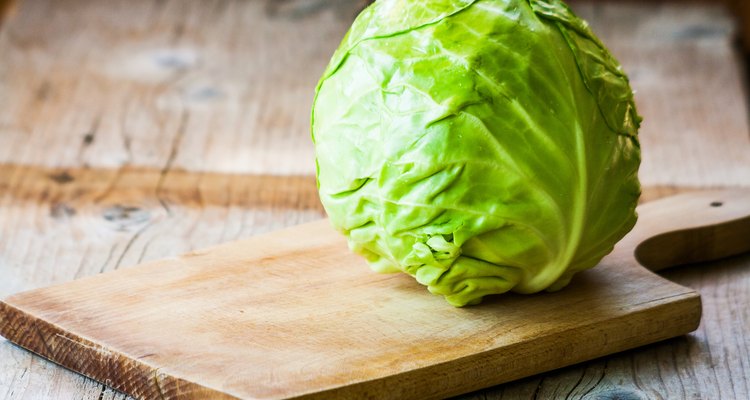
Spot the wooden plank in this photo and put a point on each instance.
(225, 322)
(62, 224)
(710, 363)
(65, 224)
(226, 86)
(219, 86)
(685, 70)
(48, 214)
(56, 80)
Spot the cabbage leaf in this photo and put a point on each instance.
(481, 146)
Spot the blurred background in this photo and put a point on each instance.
(226, 86)
(132, 130)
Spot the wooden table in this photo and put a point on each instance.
(135, 130)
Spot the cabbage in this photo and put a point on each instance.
(481, 146)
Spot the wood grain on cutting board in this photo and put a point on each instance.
(294, 313)
(65, 118)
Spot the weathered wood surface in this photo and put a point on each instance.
(123, 122)
(225, 86)
(685, 70)
(238, 310)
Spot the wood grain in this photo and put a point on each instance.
(162, 85)
(219, 86)
(725, 215)
(684, 67)
(225, 86)
(710, 363)
(178, 328)
(66, 224)
(62, 224)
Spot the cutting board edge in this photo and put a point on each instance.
(55, 344)
(688, 308)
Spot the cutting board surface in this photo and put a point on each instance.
(294, 314)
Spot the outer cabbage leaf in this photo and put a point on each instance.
(480, 146)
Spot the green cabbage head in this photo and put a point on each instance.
(481, 146)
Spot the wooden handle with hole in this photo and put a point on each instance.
(689, 228)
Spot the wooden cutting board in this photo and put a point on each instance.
(293, 314)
